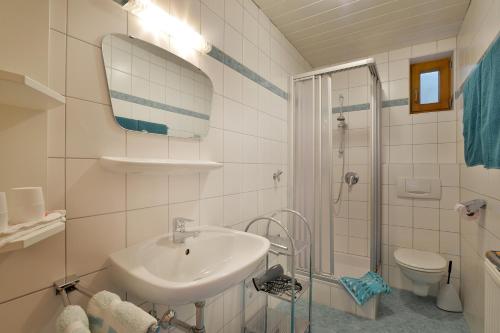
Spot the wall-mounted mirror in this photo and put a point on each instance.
(155, 91)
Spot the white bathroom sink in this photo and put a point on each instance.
(163, 272)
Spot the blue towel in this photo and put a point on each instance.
(490, 106)
(481, 120)
(473, 149)
(364, 288)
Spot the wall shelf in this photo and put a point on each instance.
(29, 238)
(156, 166)
(22, 91)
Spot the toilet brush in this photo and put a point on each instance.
(448, 299)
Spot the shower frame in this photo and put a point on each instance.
(375, 165)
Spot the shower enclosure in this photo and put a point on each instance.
(335, 167)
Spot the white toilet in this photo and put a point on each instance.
(423, 268)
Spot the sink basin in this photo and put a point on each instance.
(163, 272)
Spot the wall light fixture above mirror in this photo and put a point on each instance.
(155, 91)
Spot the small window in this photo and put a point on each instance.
(431, 86)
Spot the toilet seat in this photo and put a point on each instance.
(421, 261)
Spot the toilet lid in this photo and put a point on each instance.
(420, 260)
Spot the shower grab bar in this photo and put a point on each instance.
(280, 246)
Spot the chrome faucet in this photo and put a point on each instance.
(180, 234)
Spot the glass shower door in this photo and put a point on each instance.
(312, 167)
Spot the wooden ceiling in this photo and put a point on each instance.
(331, 31)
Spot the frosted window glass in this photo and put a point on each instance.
(429, 87)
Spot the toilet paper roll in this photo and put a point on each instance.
(4, 216)
(462, 210)
(26, 204)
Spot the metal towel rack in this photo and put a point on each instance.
(65, 286)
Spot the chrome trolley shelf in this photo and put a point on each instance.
(273, 319)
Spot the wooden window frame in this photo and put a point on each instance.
(445, 97)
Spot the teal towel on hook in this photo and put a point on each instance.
(481, 115)
(473, 149)
(490, 106)
(364, 288)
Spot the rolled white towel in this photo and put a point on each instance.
(106, 310)
(72, 319)
(129, 318)
(99, 310)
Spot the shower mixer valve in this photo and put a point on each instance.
(351, 178)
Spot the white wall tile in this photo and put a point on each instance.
(146, 190)
(86, 78)
(92, 130)
(233, 43)
(449, 220)
(45, 258)
(40, 309)
(401, 154)
(232, 84)
(426, 153)
(401, 135)
(426, 240)
(399, 69)
(449, 243)
(447, 153)
(400, 216)
(426, 218)
(212, 211)
(211, 183)
(447, 131)
(87, 253)
(56, 188)
(234, 14)
(90, 21)
(146, 223)
(398, 54)
(212, 27)
(423, 49)
(57, 61)
(399, 89)
(425, 133)
(184, 188)
(91, 190)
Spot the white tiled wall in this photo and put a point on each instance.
(420, 145)
(108, 211)
(480, 27)
(351, 220)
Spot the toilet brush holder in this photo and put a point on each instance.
(448, 299)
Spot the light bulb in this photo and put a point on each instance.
(157, 20)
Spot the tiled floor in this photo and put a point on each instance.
(399, 312)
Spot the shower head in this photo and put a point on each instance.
(341, 118)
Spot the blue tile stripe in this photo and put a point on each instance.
(366, 106)
(395, 102)
(142, 126)
(227, 60)
(156, 105)
(350, 108)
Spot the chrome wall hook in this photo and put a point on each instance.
(277, 175)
